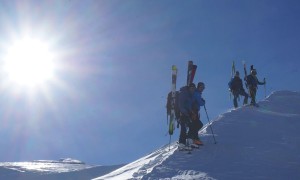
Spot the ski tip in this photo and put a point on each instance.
(174, 67)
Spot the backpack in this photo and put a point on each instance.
(176, 106)
(249, 80)
(236, 84)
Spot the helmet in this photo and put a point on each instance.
(253, 72)
(237, 73)
(200, 84)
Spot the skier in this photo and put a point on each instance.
(185, 102)
(196, 123)
(236, 87)
(252, 83)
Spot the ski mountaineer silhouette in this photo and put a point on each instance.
(185, 102)
(252, 83)
(196, 123)
(236, 88)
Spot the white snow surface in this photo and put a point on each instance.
(252, 143)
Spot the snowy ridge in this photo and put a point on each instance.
(142, 166)
(252, 143)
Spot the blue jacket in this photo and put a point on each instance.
(199, 101)
(185, 101)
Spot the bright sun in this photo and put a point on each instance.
(29, 62)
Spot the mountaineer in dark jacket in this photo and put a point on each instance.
(252, 83)
(185, 102)
(236, 87)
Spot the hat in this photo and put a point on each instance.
(192, 85)
(200, 84)
(253, 72)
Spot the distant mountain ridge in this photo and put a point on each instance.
(65, 168)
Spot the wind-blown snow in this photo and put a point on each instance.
(143, 166)
(252, 143)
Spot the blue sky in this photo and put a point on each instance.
(114, 72)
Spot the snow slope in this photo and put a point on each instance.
(252, 143)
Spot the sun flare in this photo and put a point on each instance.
(29, 62)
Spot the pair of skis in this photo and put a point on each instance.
(188, 151)
(191, 72)
(173, 92)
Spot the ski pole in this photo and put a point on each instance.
(167, 119)
(265, 87)
(210, 124)
(170, 142)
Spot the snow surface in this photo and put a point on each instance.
(252, 143)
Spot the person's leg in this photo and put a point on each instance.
(235, 96)
(252, 94)
(182, 136)
(243, 93)
(198, 126)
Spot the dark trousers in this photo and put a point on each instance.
(253, 95)
(193, 126)
(185, 123)
(236, 95)
(196, 125)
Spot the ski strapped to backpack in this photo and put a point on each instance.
(171, 104)
(248, 79)
(191, 72)
(173, 98)
(232, 76)
(246, 74)
(245, 71)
